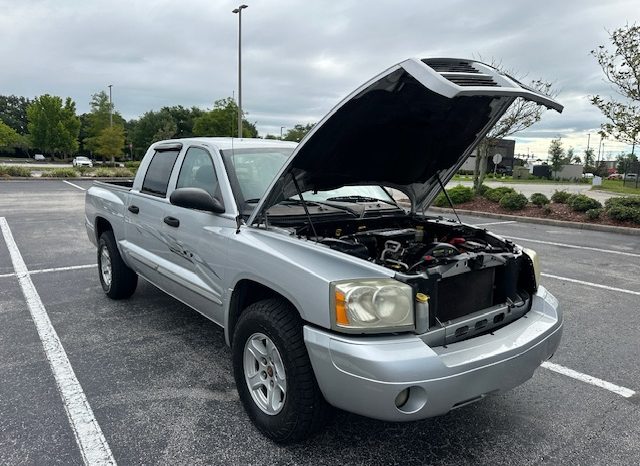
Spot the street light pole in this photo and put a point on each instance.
(239, 12)
(110, 107)
(281, 128)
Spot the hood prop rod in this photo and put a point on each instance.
(446, 194)
(304, 205)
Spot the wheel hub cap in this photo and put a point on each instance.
(105, 266)
(264, 374)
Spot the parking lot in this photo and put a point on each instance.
(157, 375)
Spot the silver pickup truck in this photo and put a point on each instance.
(328, 291)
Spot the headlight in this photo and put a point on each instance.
(379, 305)
(536, 263)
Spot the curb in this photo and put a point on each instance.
(545, 221)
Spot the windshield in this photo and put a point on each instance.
(252, 171)
(349, 194)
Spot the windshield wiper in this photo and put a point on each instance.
(357, 198)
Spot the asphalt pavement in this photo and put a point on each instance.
(158, 377)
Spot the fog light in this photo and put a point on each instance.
(411, 400)
(402, 398)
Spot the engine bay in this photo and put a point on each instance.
(408, 246)
(475, 281)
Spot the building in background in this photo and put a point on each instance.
(504, 147)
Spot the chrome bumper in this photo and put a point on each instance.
(365, 375)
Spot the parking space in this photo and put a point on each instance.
(158, 377)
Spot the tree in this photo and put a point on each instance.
(589, 159)
(8, 136)
(184, 119)
(625, 161)
(621, 68)
(222, 121)
(53, 127)
(521, 115)
(98, 119)
(298, 132)
(13, 112)
(110, 142)
(556, 155)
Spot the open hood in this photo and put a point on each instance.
(407, 128)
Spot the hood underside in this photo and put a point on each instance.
(408, 128)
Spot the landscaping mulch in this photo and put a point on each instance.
(558, 212)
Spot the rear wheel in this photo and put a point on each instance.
(117, 279)
(273, 373)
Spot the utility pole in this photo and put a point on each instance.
(110, 107)
(111, 117)
(281, 128)
(588, 140)
(238, 11)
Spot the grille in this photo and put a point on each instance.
(451, 66)
(466, 80)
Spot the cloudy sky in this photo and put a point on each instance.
(301, 57)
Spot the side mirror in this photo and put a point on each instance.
(196, 198)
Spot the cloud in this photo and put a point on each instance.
(299, 58)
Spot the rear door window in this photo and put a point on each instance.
(157, 177)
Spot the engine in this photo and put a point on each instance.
(412, 250)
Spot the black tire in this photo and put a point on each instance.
(123, 280)
(305, 410)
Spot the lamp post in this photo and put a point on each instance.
(239, 12)
(281, 128)
(110, 107)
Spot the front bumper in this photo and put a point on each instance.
(364, 375)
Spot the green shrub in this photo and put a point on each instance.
(539, 199)
(121, 172)
(547, 210)
(624, 213)
(593, 214)
(10, 170)
(513, 201)
(132, 164)
(483, 189)
(582, 203)
(496, 194)
(83, 169)
(458, 195)
(113, 172)
(61, 173)
(560, 197)
(626, 201)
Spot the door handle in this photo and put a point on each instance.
(172, 222)
(134, 209)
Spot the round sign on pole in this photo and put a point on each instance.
(497, 158)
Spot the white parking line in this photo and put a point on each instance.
(595, 285)
(93, 446)
(573, 246)
(55, 269)
(493, 223)
(622, 391)
(62, 269)
(74, 185)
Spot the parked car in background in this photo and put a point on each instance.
(615, 176)
(39, 158)
(587, 175)
(630, 176)
(82, 162)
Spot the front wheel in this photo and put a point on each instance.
(117, 279)
(273, 373)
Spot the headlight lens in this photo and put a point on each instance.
(372, 305)
(536, 263)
